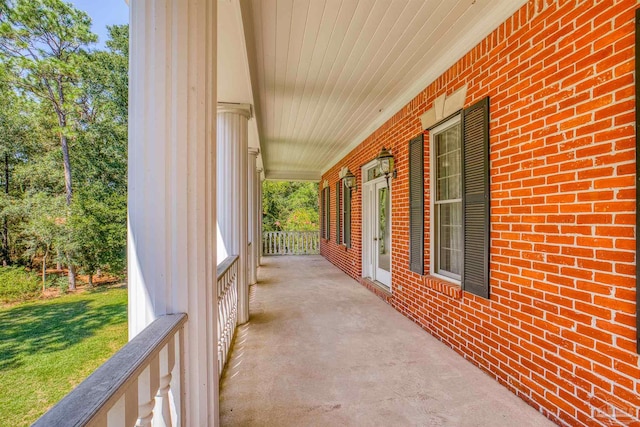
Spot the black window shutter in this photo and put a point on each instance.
(347, 216)
(637, 66)
(327, 215)
(338, 184)
(322, 213)
(416, 204)
(323, 222)
(475, 201)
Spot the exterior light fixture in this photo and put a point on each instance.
(385, 164)
(349, 180)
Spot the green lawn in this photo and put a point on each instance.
(47, 347)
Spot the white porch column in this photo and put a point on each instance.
(172, 191)
(260, 208)
(233, 122)
(258, 223)
(253, 207)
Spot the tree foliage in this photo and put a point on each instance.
(65, 109)
(43, 43)
(289, 206)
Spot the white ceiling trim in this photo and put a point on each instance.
(292, 176)
(234, 73)
(498, 13)
(255, 131)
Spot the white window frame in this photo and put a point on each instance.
(432, 175)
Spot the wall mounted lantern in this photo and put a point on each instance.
(349, 180)
(385, 164)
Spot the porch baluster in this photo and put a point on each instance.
(145, 373)
(167, 362)
(227, 293)
(148, 384)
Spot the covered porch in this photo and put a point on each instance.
(320, 349)
(224, 94)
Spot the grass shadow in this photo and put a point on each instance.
(43, 328)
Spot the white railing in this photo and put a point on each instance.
(227, 293)
(139, 385)
(290, 242)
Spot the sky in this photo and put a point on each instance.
(103, 13)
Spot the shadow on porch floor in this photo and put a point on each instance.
(321, 350)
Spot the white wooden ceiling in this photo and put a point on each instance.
(326, 73)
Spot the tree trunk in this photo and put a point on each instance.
(67, 167)
(90, 280)
(4, 250)
(72, 278)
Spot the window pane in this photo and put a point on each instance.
(454, 177)
(448, 163)
(450, 238)
(373, 173)
(448, 209)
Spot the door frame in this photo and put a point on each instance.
(368, 202)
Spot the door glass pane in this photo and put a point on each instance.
(384, 230)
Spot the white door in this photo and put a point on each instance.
(381, 233)
(376, 227)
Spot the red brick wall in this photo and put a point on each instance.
(559, 329)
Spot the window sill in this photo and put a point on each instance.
(442, 286)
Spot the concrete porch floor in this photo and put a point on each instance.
(321, 350)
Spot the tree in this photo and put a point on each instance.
(44, 228)
(289, 206)
(44, 42)
(65, 110)
(15, 148)
(102, 136)
(97, 231)
(97, 224)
